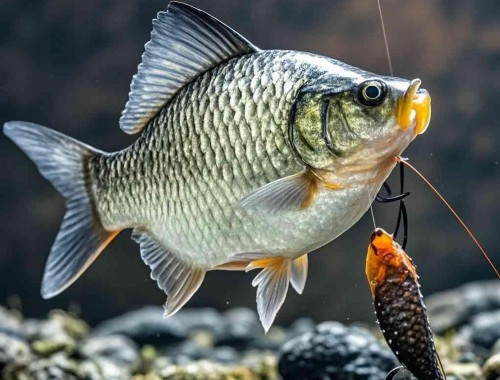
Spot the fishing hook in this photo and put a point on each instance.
(402, 213)
(399, 373)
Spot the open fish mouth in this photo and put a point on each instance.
(415, 105)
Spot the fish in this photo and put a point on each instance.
(399, 307)
(244, 159)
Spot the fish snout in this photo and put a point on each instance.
(415, 104)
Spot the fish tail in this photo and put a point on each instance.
(62, 161)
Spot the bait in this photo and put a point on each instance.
(400, 308)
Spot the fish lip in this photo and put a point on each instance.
(414, 108)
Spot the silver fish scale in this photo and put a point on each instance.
(221, 137)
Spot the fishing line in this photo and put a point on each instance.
(483, 251)
(390, 69)
(385, 38)
(373, 214)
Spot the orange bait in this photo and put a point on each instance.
(400, 308)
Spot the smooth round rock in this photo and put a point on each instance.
(335, 351)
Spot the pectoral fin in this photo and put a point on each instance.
(291, 193)
(177, 279)
(298, 275)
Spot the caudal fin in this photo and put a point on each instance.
(61, 160)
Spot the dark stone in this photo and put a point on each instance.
(147, 325)
(335, 351)
(454, 308)
(486, 329)
(241, 328)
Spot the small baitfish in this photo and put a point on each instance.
(400, 308)
(245, 159)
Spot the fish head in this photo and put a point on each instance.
(357, 121)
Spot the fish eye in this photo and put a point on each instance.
(372, 93)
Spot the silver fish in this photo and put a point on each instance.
(246, 159)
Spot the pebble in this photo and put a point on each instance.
(491, 368)
(335, 351)
(13, 350)
(454, 308)
(147, 325)
(114, 348)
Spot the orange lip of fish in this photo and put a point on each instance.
(415, 103)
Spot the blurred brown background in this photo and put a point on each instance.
(68, 65)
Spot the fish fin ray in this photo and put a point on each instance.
(291, 193)
(81, 237)
(272, 285)
(232, 266)
(298, 274)
(178, 280)
(174, 57)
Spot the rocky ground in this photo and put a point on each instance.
(206, 344)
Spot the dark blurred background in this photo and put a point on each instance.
(68, 65)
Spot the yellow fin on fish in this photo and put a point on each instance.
(177, 279)
(272, 281)
(185, 42)
(292, 193)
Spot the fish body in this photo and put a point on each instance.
(399, 307)
(222, 137)
(245, 159)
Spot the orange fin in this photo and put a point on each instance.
(272, 286)
(271, 282)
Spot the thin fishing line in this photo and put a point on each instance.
(483, 251)
(385, 38)
(390, 68)
(373, 216)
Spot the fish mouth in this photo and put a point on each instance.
(415, 105)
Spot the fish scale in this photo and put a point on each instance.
(248, 153)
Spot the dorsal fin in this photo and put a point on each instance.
(185, 42)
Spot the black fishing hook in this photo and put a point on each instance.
(399, 373)
(402, 213)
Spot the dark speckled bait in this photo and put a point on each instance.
(400, 308)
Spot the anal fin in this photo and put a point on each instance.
(298, 275)
(272, 286)
(177, 279)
